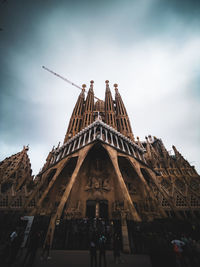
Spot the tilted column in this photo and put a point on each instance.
(106, 136)
(69, 148)
(111, 135)
(79, 141)
(84, 138)
(50, 184)
(122, 142)
(101, 133)
(128, 148)
(138, 171)
(57, 215)
(131, 208)
(89, 138)
(116, 137)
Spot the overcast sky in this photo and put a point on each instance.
(151, 48)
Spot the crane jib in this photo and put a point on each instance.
(66, 80)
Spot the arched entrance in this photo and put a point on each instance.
(97, 209)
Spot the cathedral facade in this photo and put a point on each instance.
(102, 171)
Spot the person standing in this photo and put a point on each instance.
(102, 250)
(116, 248)
(16, 244)
(178, 250)
(46, 248)
(33, 245)
(93, 253)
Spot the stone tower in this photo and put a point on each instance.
(76, 120)
(16, 181)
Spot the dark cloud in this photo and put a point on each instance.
(82, 38)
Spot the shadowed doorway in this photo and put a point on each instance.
(91, 209)
(97, 208)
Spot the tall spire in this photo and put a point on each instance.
(88, 116)
(122, 119)
(76, 117)
(110, 117)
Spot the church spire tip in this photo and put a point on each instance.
(83, 87)
(116, 87)
(91, 85)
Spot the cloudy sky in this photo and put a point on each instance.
(151, 48)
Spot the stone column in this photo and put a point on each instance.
(140, 175)
(82, 155)
(128, 148)
(64, 151)
(122, 144)
(133, 151)
(94, 136)
(74, 145)
(101, 137)
(111, 136)
(89, 138)
(116, 137)
(84, 138)
(125, 239)
(106, 136)
(113, 156)
(79, 141)
(69, 148)
(58, 171)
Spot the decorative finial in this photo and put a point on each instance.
(116, 87)
(91, 85)
(83, 87)
(107, 86)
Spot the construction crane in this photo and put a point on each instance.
(66, 80)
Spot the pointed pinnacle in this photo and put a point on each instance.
(83, 87)
(116, 88)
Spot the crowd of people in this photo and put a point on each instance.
(93, 234)
(174, 250)
(178, 246)
(165, 248)
(13, 253)
(75, 234)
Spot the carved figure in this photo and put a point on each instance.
(106, 185)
